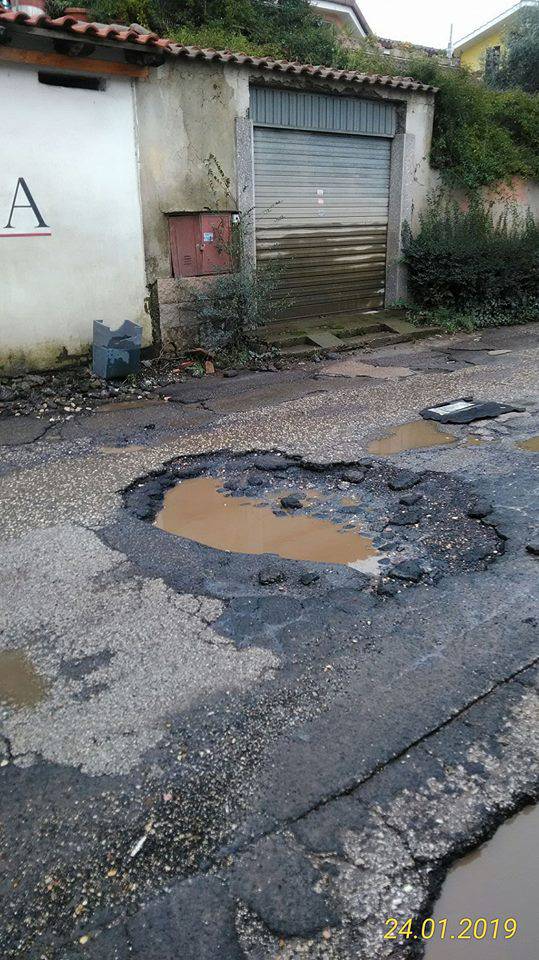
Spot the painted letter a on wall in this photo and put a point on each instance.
(30, 204)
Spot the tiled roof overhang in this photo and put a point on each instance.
(151, 42)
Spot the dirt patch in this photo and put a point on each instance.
(532, 444)
(356, 368)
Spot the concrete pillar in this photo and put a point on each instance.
(400, 211)
(245, 166)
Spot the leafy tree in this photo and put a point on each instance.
(519, 62)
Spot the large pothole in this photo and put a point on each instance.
(251, 527)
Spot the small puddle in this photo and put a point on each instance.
(128, 404)
(499, 880)
(20, 683)
(129, 448)
(411, 436)
(356, 368)
(196, 510)
(531, 444)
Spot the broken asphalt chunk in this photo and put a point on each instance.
(271, 575)
(353, 476)
(387, 589)
(479, 508)
(404, 479)
(409, 570)
(410, 499)
(291, 503)
(466, 410)
(309, 577)
(187, 471)
(270, 461)
(408, 517)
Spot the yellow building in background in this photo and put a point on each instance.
(487, 40)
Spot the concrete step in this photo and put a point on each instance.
(298, 335)
(329, 320)
(374, 338)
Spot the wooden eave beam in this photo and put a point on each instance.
(58, 61)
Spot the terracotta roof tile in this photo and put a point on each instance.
(108, 32)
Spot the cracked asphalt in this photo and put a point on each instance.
(224, 766)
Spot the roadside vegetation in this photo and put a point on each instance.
(469, 268)
(519, 62)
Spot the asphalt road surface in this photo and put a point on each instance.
(209, 755)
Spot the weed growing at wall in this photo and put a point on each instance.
(470, 265)
(232, 306)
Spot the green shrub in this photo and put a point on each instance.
(468, 262)
(480, 136)
(289, 29)
(216, 37)
(474, 318)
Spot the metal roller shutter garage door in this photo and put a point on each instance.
(321, 208)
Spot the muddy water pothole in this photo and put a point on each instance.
(411, 436)
(200, 510)
(20, 683)
(497, 881)
(364, 525)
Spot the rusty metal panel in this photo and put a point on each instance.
(302, 110)
(200, 244)
(321, 207)
(184, 233)
(216, 243)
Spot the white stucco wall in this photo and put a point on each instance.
(76, 151)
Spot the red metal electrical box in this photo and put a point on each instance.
(200, 244)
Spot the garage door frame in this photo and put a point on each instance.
(321, 214)
(400, 193)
